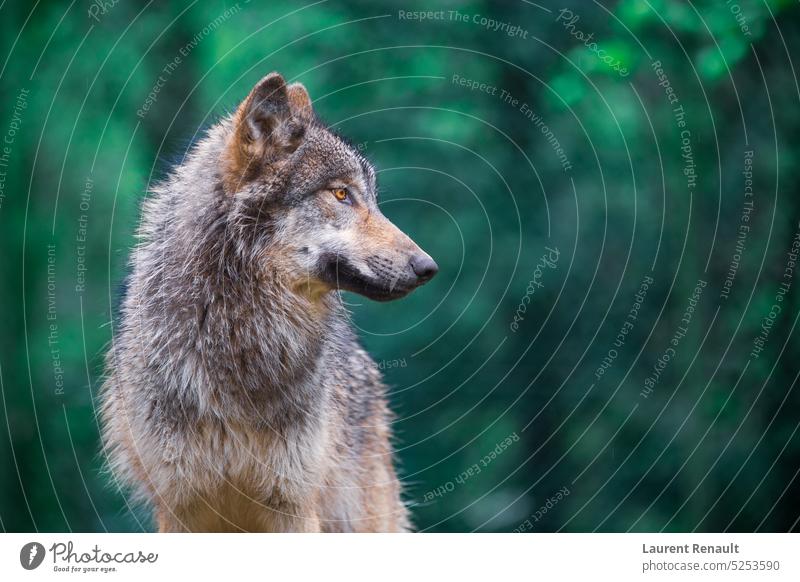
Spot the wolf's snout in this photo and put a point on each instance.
(424, 267)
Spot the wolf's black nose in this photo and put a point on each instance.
(424, 267)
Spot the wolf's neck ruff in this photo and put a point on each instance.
(253, 337)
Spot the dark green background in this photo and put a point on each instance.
(478, 185)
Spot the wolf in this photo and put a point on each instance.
(237, 396)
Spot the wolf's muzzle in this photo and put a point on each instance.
(384, 283)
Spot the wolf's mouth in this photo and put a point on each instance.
(339, 273)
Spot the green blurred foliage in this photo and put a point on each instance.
(476, 183)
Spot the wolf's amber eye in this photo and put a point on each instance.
(340, 193)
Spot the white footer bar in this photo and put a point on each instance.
(385, 557)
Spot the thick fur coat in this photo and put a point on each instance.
(237, 396)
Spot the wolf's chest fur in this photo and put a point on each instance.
(239, 469)
(237, 466)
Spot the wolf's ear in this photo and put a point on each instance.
(300, 103)
(269, 125)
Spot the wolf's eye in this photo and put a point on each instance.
(341, 194)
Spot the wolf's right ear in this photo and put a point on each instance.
(269, 125)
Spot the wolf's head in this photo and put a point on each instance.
(311, 198)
